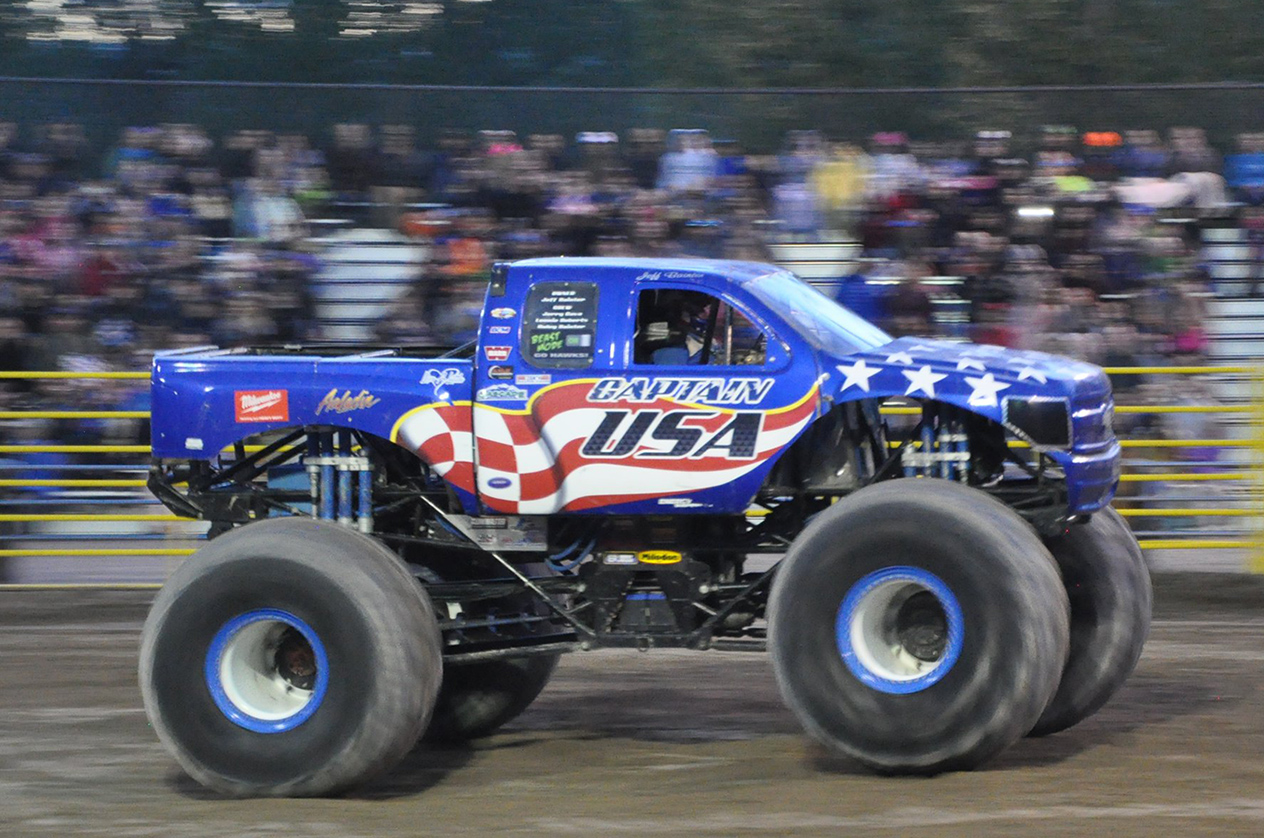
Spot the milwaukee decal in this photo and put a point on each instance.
(261, 405)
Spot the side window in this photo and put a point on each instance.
(559, 326)
(746, 341)
(675, 327)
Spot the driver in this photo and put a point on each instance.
(676, 332)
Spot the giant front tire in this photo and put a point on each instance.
(1108, 585)
(477, 698)
(290, 657)
(918, 626)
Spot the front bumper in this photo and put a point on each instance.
(1091, 477)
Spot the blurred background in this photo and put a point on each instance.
(1078, 176)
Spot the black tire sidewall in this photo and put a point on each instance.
(1109, 589)
(1013, 643)
(478, 698)
(377, 630)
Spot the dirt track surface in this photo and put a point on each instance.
(665, 743)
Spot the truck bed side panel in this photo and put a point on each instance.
(203, 403)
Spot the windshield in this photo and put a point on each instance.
(822, 322)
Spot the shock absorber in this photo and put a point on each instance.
(952, 446)
(341, 479)
(918, 455)
(327, 475)
(344, 478)
(942, 448)
(960, 447)
(944, 445)
(312, 463)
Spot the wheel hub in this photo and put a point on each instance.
(899, 629)
(295, 661)
(922, 627)
(267, 670)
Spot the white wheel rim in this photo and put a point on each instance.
(245, 680)
(872, 641)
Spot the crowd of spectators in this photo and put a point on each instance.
(1086, 245)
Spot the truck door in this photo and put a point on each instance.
(673, 400)
(709, 397)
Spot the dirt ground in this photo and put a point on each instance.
(665, 743)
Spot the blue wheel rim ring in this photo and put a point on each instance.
(234, 713)
(927, 581)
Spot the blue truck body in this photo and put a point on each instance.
(596, 470)
(588, 429)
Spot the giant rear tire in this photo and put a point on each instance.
(290, 657)
(918, 626)
(477, 698)
(1108, 585)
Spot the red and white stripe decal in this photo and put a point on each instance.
(531, 462)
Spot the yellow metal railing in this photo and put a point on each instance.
(1249, 473)
(1257, 425)
(97, 376)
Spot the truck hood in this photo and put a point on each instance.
(979, 378)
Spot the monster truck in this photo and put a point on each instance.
(633, 453)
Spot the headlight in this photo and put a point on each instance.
(1042, 421)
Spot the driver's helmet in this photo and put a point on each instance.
(695, 313)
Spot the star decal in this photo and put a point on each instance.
(985, 390)
(858, 374)
(921, 347)
(968, 363)
(900, 358)
(923, 379)
(1028, 372)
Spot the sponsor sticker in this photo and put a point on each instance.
(619, 558)
(261, 405)
(533, 378)
(497, 353)
(501, 393)
(513, 533)
(443, 377)
(500, 373)
(659, 557)
(504, 313)
(681, 503)
(499, 483)
(499, 330)
(193, 443)
(346, 403)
